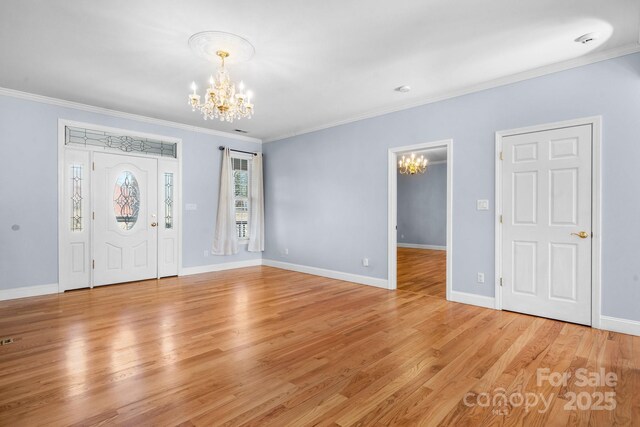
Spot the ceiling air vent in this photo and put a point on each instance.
(587, 38)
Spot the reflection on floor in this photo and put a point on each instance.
(423, 271)
(261, 346)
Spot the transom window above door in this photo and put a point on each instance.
(119, 142)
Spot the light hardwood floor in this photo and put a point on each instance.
(263, 346)
(423, 270)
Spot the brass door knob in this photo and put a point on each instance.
(153, 224)
(581, 234)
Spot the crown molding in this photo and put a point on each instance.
(121, 114)
(514, 78)
(526, 75)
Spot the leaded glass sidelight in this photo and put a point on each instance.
(168, 200)
(126, 200)
(76, 197)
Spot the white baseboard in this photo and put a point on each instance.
(472, 299)
(615, 324)
(418, 246)
(332, 274)
(28, 291)
(186, 271)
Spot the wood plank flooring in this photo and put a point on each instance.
(263, 346)
(423, 270)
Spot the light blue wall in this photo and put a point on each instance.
(330, 211)
(422, 207)
(28, 189)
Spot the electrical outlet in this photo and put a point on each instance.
(480, 277)
(365, 262)
(206, 253)
(482, 205)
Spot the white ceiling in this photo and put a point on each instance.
(316, 63)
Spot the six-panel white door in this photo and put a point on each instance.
(125, 225)
(546, 234)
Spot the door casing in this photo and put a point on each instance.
(62, 221)
(596, 215)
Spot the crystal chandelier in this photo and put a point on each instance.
(411, 165)
(222, 100)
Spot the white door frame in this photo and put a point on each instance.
(596, 215)
(63, 223)
(392, 245)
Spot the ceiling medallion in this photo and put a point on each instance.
(222, 100)
(411, 166)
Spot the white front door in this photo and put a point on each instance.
(125, 236)
(546, 234)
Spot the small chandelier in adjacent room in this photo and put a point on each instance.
(412, 165)
(222, 100)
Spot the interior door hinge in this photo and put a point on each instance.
(501, 158)
(501, 281)
(500, 219)
(93, 165)
(93, 216)
(93, 264)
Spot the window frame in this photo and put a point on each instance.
(248, 158)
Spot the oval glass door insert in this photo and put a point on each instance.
(126, 200)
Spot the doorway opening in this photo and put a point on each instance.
(420, 219)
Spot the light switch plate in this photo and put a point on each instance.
(482, 205)
(190, 207)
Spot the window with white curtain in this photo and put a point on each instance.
(241, 193)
